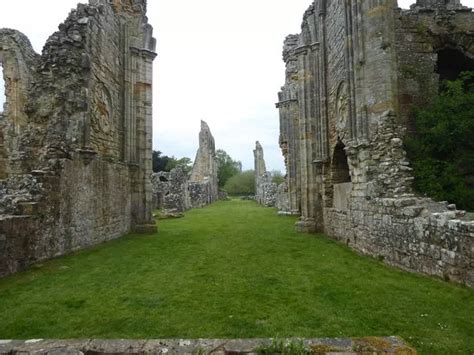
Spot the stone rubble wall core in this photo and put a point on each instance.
(75, 139)
(353, 76)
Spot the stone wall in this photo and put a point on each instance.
(171, 190)
(178, 191)
(265, 189)
(203, 184)
(353, 76)
(78, 162)
(372, 345)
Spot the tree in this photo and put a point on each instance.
(226, 167)
(159, 161)
(442, 148)
(277, 177)
(242, 184)
(165, 163)
(185, 163)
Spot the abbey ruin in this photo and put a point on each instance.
(176, 191)
(76, 134)
(353, 75)
(265, 189)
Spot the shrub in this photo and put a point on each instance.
(442, 148)
(241, 184)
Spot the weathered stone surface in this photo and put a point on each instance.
(265, 189)
(75, 141)
(367, 345)
(353, 76)
(176, 191)
(283, 200)
(170, 190)
(203, 184)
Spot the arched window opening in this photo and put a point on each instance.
(341, 173)
(451, 63)
(3, 97)
(341, 178)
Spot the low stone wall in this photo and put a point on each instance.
(267, 194)
(368, 345)
(200, 193)
(88, 203)
(416, 234)
(170, 190)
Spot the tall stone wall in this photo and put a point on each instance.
(203, 183)
(265, 189)
(353, 75)
(76, 170)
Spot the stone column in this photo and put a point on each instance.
(141, 136)
(307, 137)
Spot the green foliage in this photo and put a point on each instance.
(186, 163)
(162, 162)
(442, 149)
(232, 270)
(242, 184)
(277, 177)
(159, 161)
(227, 167)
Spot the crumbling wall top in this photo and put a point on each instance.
(438, 5)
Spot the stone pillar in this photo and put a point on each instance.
(260, 172)
(307, 139)
(289, 124)
(142, 124)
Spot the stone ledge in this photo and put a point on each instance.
(372, 345)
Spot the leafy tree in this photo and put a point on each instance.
(242, 184)
(165, 163)
(277, 177)
(442, 149)
(226, 167)
(159, 161)
(185, 162)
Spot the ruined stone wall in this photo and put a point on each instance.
(289, 127)
(16, 58)
(171, 190)
(78, 172)
(265, 189)
(203, 183)
(176, 191)
(360, 69)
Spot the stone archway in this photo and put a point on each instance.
(452, 62)
(17, 58)
(340, 178)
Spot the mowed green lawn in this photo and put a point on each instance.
(233, 270)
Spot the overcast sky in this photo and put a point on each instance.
(218, 60)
